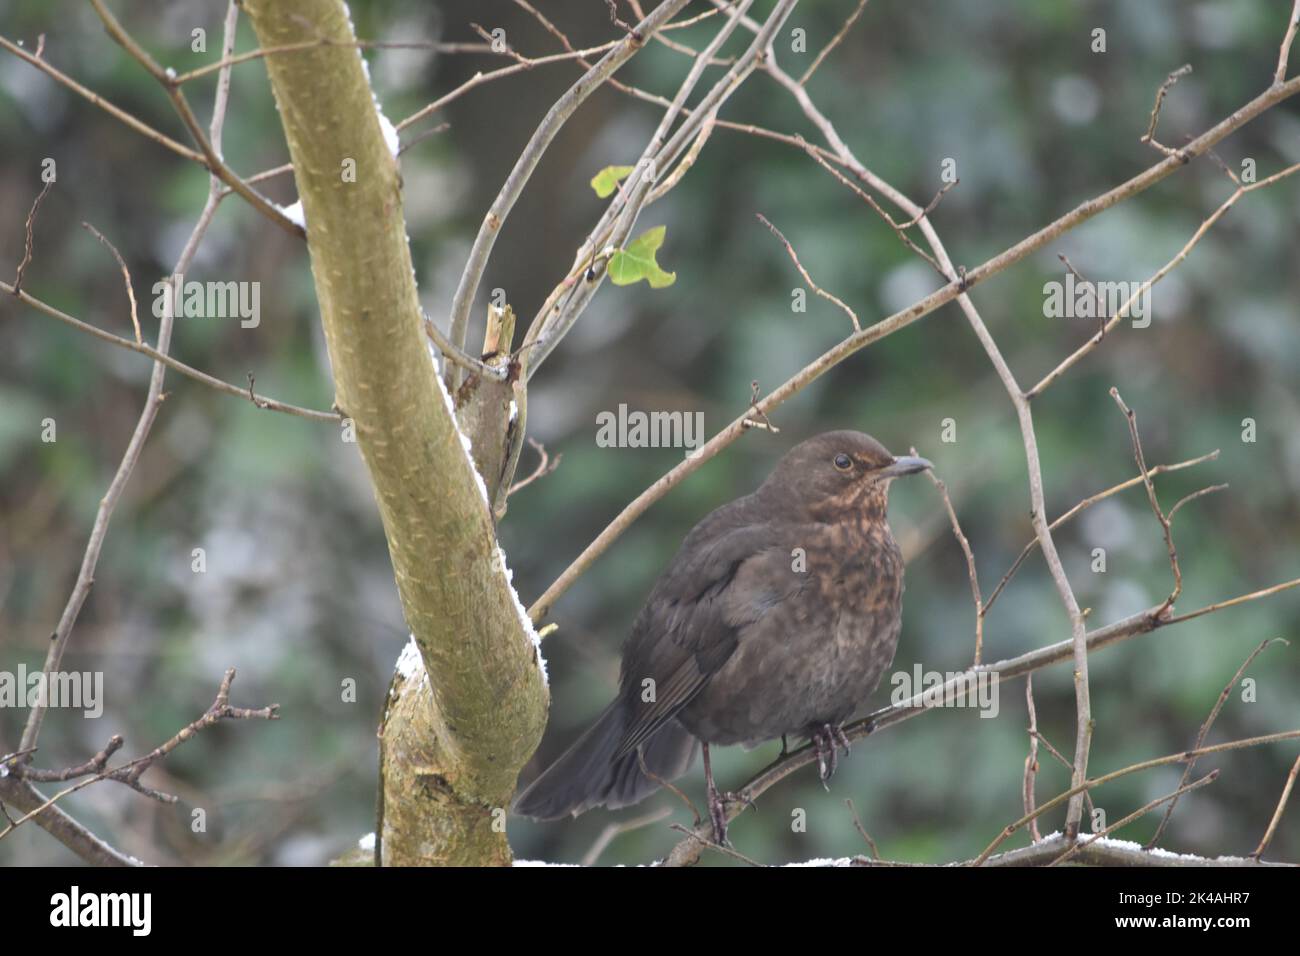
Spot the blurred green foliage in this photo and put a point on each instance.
(298, 592)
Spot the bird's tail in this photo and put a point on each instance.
(587, 775)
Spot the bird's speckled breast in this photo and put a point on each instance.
(808, 662)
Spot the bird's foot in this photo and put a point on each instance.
(842, 739)
(718, 815)
(826, 742)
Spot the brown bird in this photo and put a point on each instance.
(777, 616)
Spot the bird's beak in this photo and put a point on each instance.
(906, 465)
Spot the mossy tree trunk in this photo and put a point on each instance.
(458, 730)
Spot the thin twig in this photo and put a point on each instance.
(1163, 271)
(1277, 813)
(544, 467)
(530, 156)
(126, 278)
(1164, 761)
(480, 78)
(1170, 80)
(454, 355)
(95, 764)
(130, 773)
(857, 824)
(1205, 730)
(1144, 622)
(1186, 499)
(1209, 778)
(970, 561)
(437, 47)
(153, 402)
(188, 371)
(1165, 526)
(900, 229)
(211, 156)
(141, 127)
(853, 317)
(1287, 39)
(1031, 761)
(708, 844)
(1099, 307)
(418, 138)
(27, 242)
(835, 41)
(615, 830)
(1083, 506)
(669, 786)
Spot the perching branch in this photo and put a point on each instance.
(1135, 625)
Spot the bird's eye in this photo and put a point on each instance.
(843, 462)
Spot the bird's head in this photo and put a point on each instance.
(840, 473)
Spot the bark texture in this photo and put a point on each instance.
(460, 724)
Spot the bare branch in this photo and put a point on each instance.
(835, 41)
(261, 52)
(1288, 38)
(141, 127)
(1209, 778)
(1128, 628)
(210, 157)
(1031, 761)
(562, 308)
(531, 155)
(1165, 761)
(129, 773)
(1163, 271)
(204, 378)
(970, 562)
(1085, 504)
(1205, 730)
(27, 242)
(1277, 813)
(544, 467)
(126, 278)
(857, 824)
(153, 401)
(857, 326)
(1150, 135)
(614, 830)
(1165, 526)
(900, 229)
(455, 355)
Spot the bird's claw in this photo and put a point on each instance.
(826, 742)
(718, 812)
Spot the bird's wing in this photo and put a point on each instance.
(719, 583)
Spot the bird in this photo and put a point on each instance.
(776, 617)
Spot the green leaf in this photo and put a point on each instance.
(636, 261)
(606, 181)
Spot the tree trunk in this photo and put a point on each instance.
(462, 720)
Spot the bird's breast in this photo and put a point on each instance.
(816, 655)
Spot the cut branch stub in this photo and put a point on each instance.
(493, 413)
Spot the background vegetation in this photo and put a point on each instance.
(298, 592)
